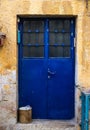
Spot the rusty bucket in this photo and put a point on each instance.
(25, 115)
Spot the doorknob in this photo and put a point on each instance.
(51, 72)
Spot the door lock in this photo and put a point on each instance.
(51, 72)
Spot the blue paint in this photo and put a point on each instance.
(19, 37)
(86, 113)
(29, 31)
(47, 84)
(63, 44)
(85, 101)
(46, 38)
(20, 26)
(60, 92)
(37, 30)
(82, 112)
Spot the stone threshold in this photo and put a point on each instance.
(47, 125)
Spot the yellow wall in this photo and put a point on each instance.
(9, 9)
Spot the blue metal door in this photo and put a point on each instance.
(46, 67)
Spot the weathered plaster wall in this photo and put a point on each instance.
(9, 9)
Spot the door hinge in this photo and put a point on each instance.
(19, 38)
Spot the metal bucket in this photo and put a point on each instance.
(25, 116)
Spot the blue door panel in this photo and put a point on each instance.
(60, 89)
(34, 84)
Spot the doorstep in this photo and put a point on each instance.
(47, 125)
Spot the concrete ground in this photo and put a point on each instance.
(43, 125)
(47, 125)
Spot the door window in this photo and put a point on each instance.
(33, 39)
(59, 38)
(58, 41)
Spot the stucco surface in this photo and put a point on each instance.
(8, 24)
(9, 9)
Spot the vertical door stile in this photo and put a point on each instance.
(22, 66)
(73, 49)
(72, 38)
(20, 26)
(46, 33)
(46, 38)
(19, 62)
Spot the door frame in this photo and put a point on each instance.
(19, 48)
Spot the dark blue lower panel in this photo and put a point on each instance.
(34, 87)
(61, 89)
(49, 98)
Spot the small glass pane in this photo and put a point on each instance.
(33, 26)
(55, 51)
(56, 38)
(26, 26)
(40, 38)
(67, 25)
(56, 25)
(66, 52)
(33, 51)
(59, 38)
(26, 51)
(33, 38)
(26, 38)
(52, 39)
(66, 38)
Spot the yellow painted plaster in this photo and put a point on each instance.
(9, 9)
(7, 88)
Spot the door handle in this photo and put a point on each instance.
(51, 72)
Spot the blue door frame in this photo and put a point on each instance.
(47, 83)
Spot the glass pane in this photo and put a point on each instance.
(55, 51)
(66, 38)
(26, 38)
(66, 52)
(52, 38)
(56, 25)
(56, 38)
(33, 51)
(40, 38)
(26, 26)
(59, 38)
(33, 26)
(67, 25)
(26, 51)
(33, 38)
